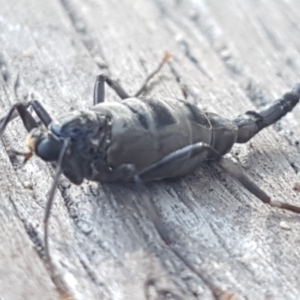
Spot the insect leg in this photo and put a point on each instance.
(41, 112)
(99, 89)
(198, 153)
(252, 122)
(176, 164)
(27, 119)
(241, 177)
(101, 79)
(165, 59)
(20, 109)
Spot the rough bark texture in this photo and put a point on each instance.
(229, 57)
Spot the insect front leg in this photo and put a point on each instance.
(197, 154)
(20, 109)
(99, 89)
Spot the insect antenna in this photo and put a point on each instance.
(51, 196)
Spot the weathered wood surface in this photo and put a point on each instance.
(230, 56)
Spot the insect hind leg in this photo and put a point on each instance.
(176, 164)
(252, 122)
(199, 153)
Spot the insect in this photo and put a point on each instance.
(141, 138)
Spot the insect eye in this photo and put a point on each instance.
(48, 149)
(75, 130)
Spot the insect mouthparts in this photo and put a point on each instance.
(31, 142)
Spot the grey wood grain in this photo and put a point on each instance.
(229, 57)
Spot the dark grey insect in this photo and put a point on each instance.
(142, 138)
